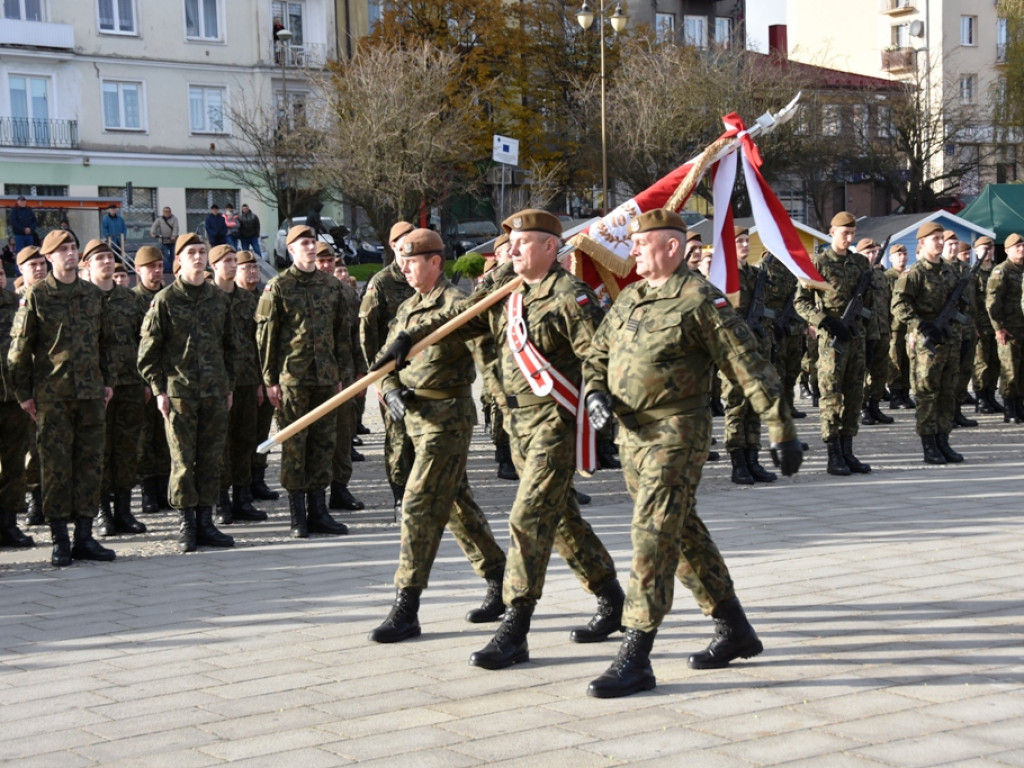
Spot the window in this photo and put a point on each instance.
(1002, 35)
(139, 215)
(968, 88)
(117, 16)
(883, 122)
(723, 31)
(375, 12)
(695, 31)
(831, 120)
(859, 119)
(296, 109)
(198, 202)
(968, 30)
(43, 190)
(202, 20)
(122, 106)
(901, 35)
(25, 10)
(665, 27)
(206, 109)
(30, 110)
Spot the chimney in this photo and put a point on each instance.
(778, 44)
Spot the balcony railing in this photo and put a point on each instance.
(896, 7)
(40, 34)
(1001, 53)
(306, 56)
(31, 132)
(899, 60)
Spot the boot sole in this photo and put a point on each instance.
(477, 617)
(493, 664)
(748, 652)
(616, 693)
(386, 639)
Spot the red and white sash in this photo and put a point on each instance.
(545, 380)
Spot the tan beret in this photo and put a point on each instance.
(246, 257)
(1013, 240)
(983, 240)
(19, 281)
(189, 238)
(340, 262)
(28, 253)
(93, 247)
(502, 240)
(119, 267)
(398, 229)
(420, 241)
(898, 248)
(299, 231)
(949, 234)
(218, 252)
(694, 237)
(54, 239)
(737, 231)
(148, 254)
(533, 220)
(864, 243)
(324, 249)
(844, 219)
(657, 218)
(928, 228)
(176, 266)
(964, 248)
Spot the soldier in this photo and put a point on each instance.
(840, 349)
(899, 361)
(961, 264)
(59, 365)
(649, 364)
(694, 250)
(986, 358)
(920, 295)
(433, 396)
(554, 312)
(124, 416)
(186, 355)
(121, 276)
(786, 328)
(876, 347)
(502, 445)
(305, 352)
(33, 267)
(1003, 302)
(15, 425)
(235, 499)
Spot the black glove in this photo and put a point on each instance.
(398, 351)
(599, 409)
(930, 331)
(835, 327)
(395, 401)
(788, 456)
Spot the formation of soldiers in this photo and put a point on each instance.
(175, 387)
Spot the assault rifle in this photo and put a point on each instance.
(756, 311)
(950, 310)
(785, 317)
(855, 306)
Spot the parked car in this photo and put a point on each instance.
(464, 236)
(369, 249)
(281, 250)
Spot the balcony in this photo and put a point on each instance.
(305, 56)
(38, 133)
(36, 34)
(896, 7)
(1001, 53)
(899, 60)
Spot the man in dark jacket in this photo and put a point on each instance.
(249, 231)
(216, 227)
(22, 224)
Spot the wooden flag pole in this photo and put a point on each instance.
(374, 376)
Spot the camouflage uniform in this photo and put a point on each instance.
(237, 463)
(58, 356)
(787, 340)
(187, 354)
(154, 455)
(899, 360)
(348, 413)
(1003, 302)
(968, 332)
(921, 293)
(653, 355)
(986, 358)
(878, 337)
(15, 424)
(439, 421)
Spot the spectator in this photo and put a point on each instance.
(22, 224)
(231, 221)
(314, 222)
(165, 229)
(216, 228)
(249, 230)
(113, 227)
(8, 256)
(67, 228)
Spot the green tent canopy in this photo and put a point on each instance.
(999, 207)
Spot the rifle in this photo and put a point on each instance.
(950, 312)
(855, 306)
(785, 317)
(756, 311)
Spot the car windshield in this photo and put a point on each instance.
(485, 228)
(299, 221)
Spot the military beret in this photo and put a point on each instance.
(658, 218)
(398, 229)
(28, 253)
(148, 254)
(898, 248)
(864, 243)
(1013, 240)
(54, 239)
(844, 219)
(119, 267)
(189, 238)
(421, 241)
(246, 257)
(340, 262)
(324, 249)
(176, 266)
(93, 247)
(694, 237)
(19, 281)
(737, 231)
(218, 252)
(983, 240)
(533, 220)
(501, 240)
(298, 231)
(928, 228)
(948, 234)
(964, 248)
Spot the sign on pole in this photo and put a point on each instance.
(506, 150)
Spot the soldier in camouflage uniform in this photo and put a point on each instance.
(502, 445)
(785, 328)
(384, 292)
(187, 357)
(840, 350)
(33, 266)
(14, 425)
(59, 366)
(305, 352)
(124, 311)
(899, 361)
(235, 499)
(920, 295)
(433, 397)
(876, 355)
(986, 358)
(649, 364)
(960, 261)
(1003, 302)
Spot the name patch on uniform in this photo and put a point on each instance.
(721, 301)
(582, 299)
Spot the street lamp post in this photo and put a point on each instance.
(283, 36)
(585, 17)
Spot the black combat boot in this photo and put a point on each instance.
(163, 484)
(187, 529)
(631, 671)
(224, 511)
(734, 638)
(942, 441)
(908, 400)
(506, 469)
(582, 498)
(297, 507)
(342, 498)
(241, 505)
(61, 557)
(10, 535)
(876, 413)
(987, 402)
(318, 518)
(259, 487)
(362, 429)
(355, 456)
(150, 496)
(836, 461)
(607, 619)
(402, 622)
(815, 394)
(492, 608)
(1013, 413)
(856, 465)
(714, 456)
(105, 517)
(959, 420)
(993, 403)
(207, 534)
(35, 508)
(932, 454)
(124, 520)
(867, 418)
(398, 491)
(509, 645)
(717, 409)
(759, 473)
(740, 472)
(606, 458)
(85, 547)
(968, 400)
